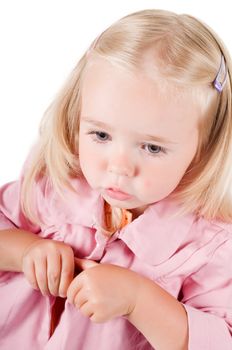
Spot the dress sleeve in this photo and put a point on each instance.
(207, 298)
(11, 214)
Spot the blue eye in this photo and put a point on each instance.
(153, 149)
(99, 136)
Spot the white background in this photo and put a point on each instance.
(41, 41)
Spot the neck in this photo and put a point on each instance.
(138, 211)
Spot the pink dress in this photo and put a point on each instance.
(188, 257)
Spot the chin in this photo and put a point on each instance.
(121, 204)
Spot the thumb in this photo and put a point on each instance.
(83, 264)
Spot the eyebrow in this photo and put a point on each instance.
(103, 125)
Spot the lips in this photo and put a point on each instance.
(116, 193)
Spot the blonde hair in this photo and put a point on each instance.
(189, 55)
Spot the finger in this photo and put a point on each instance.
(29, 272)
(80, 299)
(87, 310)
(41, 275)
(84, 264)
(67, 272)
(74, 288)
(53, 272)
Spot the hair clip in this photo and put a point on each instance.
(220, 80)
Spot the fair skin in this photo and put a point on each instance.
(134, 138)
(135, 143)
(47, 264)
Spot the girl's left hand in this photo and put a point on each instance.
(103, 291)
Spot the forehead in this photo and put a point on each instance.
(112, 93)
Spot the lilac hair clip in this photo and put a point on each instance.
(220, 80)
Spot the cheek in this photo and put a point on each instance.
(85, 154)
(90, 159)
(87, 161)
(161, 180)
(148, 183)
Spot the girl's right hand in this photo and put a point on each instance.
(48, 265)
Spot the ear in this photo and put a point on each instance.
(83, 264)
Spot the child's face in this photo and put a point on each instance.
(135, 142)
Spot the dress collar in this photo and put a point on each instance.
(154, 236)
(158, 233)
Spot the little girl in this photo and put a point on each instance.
(118, 233)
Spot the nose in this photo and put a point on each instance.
(121, 165)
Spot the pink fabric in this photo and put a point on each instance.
(188, 257)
